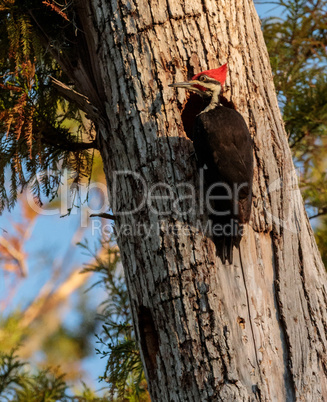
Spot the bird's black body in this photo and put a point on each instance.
(223, 144)
(223, 147)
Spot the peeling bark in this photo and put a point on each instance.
(208, 332)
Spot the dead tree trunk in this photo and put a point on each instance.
(207, 331)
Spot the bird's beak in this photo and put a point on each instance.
(186, 85)
(193, 86)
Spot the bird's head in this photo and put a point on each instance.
(207, 83)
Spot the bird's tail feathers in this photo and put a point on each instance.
(226, 242)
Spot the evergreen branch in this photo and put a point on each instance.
(297, 140)
(46, 42)
(104, 215)
(69, 145)
(80, 100)
(76, 71)
(323, 211)
(55, 137)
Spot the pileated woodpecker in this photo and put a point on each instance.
(223, 147)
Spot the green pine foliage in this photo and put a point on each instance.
(117, 344)
(36, 141)
(123, 378)
(18, 383)
(11, 375)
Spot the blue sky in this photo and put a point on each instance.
(268, 9)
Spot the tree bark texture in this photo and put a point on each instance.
(254, 330)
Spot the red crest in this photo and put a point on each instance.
(218, 74)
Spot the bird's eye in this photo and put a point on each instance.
(202, 78)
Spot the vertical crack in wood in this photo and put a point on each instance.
(249, 313)
(286, 344)
(311, 309)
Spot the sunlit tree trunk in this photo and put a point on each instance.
(207, 331)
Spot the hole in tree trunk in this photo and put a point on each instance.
(149, 339)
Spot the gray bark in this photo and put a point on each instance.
(255, 330)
